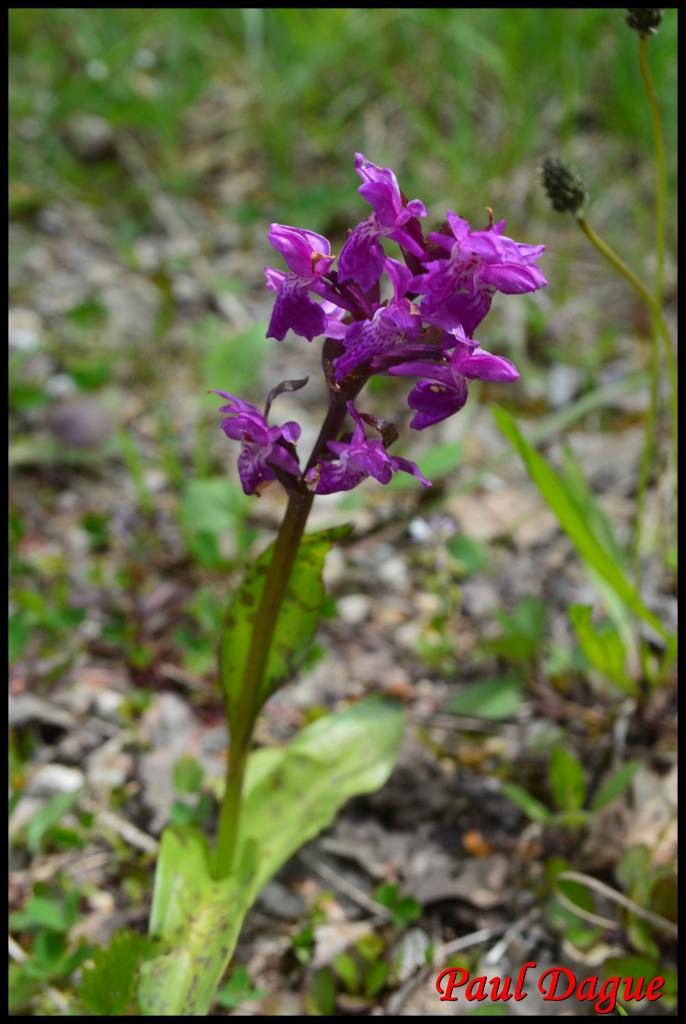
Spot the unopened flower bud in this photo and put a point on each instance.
(563, 186)
(645, 20)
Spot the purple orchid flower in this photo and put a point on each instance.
(390, 328)
(368, 341)
(443, 392)
(263, 448)
(459, 289)
(358, 458)
(362, 257)
(307, 255)
(333, 314)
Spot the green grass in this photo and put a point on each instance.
(449, 96)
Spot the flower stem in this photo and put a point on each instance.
(648, 454)
(619, 264)
(273, 592)
(653, 307)
(229, 815)
(275, 583)
(660, 167)
(647, 458)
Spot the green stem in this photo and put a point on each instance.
(650, 431)
(660, 167)
(229, 815)
(653, 307)
(635, 281)
(647, 456)
(275, 585)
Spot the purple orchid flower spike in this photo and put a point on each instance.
(308, 256)
(266, 452)
(444, 391)
(362, 257)
(459, 289)
(441, 291)
(357, 459)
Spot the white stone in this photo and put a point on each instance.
(354, 608)
(51, 779)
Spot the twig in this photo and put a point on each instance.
(446, 949)
(345, 887)
(614, 896)
(496, 953)
(357, 854)
(176, 674)
(620, 731)
(466, 722)
(121, 827)
(42, 871)
(558, 706)
(440, 955)
(15, 951)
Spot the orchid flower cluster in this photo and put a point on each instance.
(413, 318)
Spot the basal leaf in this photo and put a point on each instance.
(529, 804)
(238, 989)
(615, 785)
(522, 631)
(567, 780)
(376, 976)
(295, 627)
(591, 510)
(108, 986)
(198, 918)
(580, 492)
(48, 817)
(291, 794)
(495, 699)
(603, 646)
(347, 970)
(321, 998)
(574, 523)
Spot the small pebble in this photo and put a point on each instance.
(354, 608)
(89, 136)
(51, 779)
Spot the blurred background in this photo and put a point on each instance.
(149, 152)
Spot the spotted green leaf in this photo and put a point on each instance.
(291, 794)
(296, 624)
